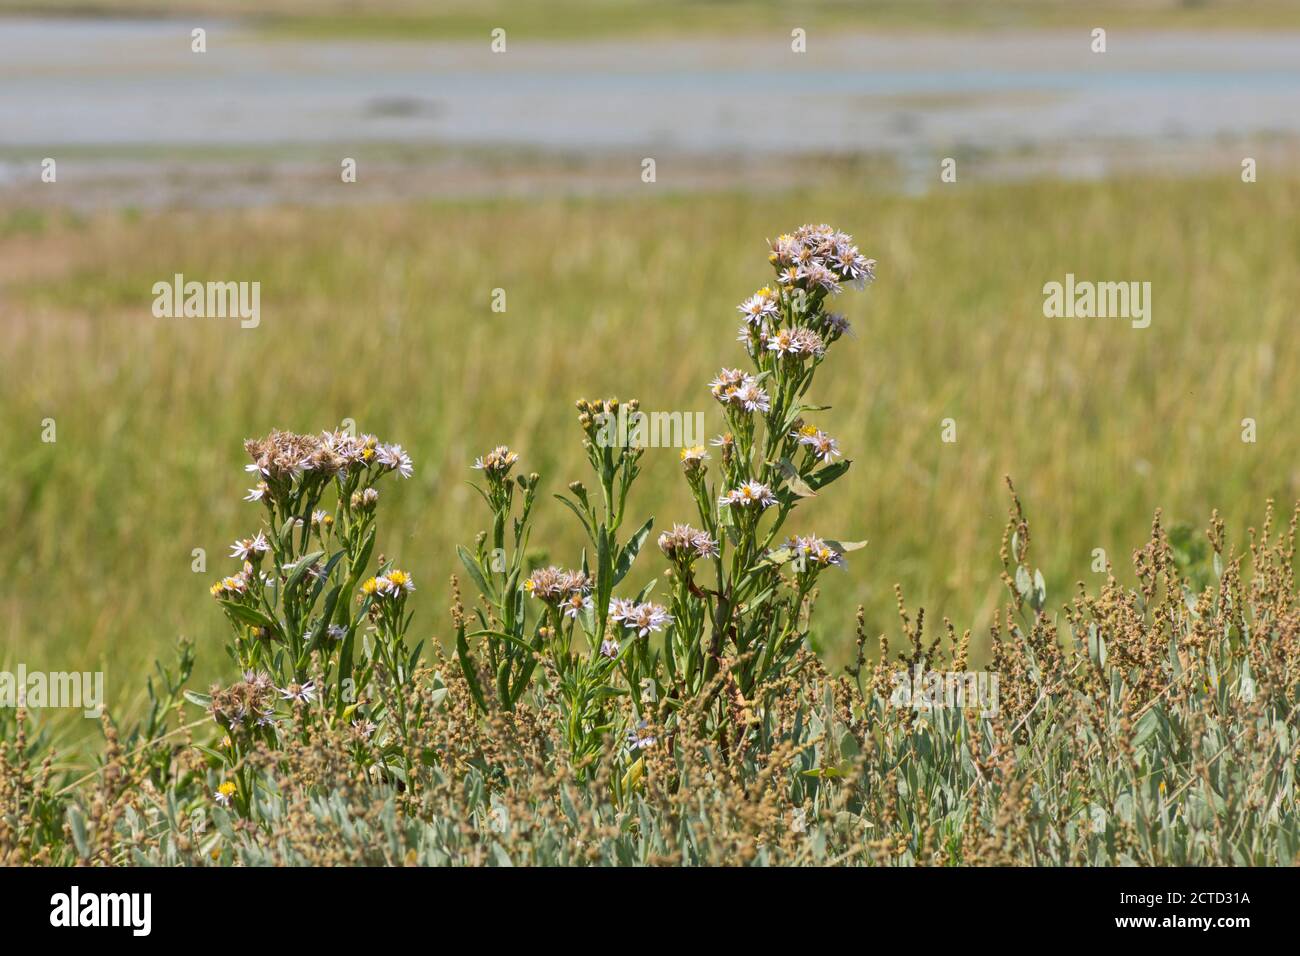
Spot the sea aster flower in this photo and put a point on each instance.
(815, 550)
(751, 493)
(248, 549)
(751, 397)
(620, 609)
(823, 445)
(726, 382)
(644, 618)
(395, 583)
(852, 265)
(821, 277)
(234, 586)
(576, 603)
(640, 737)
(684, 543)
(395, 459)
(554, 584)
(299, 693)
(759, 307)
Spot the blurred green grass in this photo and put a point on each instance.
(576, 19)
(382, 315)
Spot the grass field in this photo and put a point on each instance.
(383, 315)
(570, 19)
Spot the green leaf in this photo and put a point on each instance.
(199, 700)
(249, 615)
(77, 823)
(794, 481)
(467, 668)
(823, 477)
(630, 550)
(301, 567)
(843, 547)
(476, 573)
(510, 638)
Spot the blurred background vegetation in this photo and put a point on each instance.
(380, 312)
(577, 18)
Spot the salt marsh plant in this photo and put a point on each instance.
(739, 597)
(601, 713)
(316, 635)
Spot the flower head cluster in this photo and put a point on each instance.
(244, 705)
(820, 257)
(749, 494)
(233, 586)
(496, 463)
(684, 544)
(798, 343)
(557, 586)
(813, 550)
(236, 586)
(642, 618)
(738, 389)
(283, 457)
(365, 450)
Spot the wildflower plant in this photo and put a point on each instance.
(741, 599)
(311, 627)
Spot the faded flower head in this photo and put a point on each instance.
(285, 455)
(553, 584)
(693, 459)
(684, 543)
(497, 462)
(245, 704)
(233, 587)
